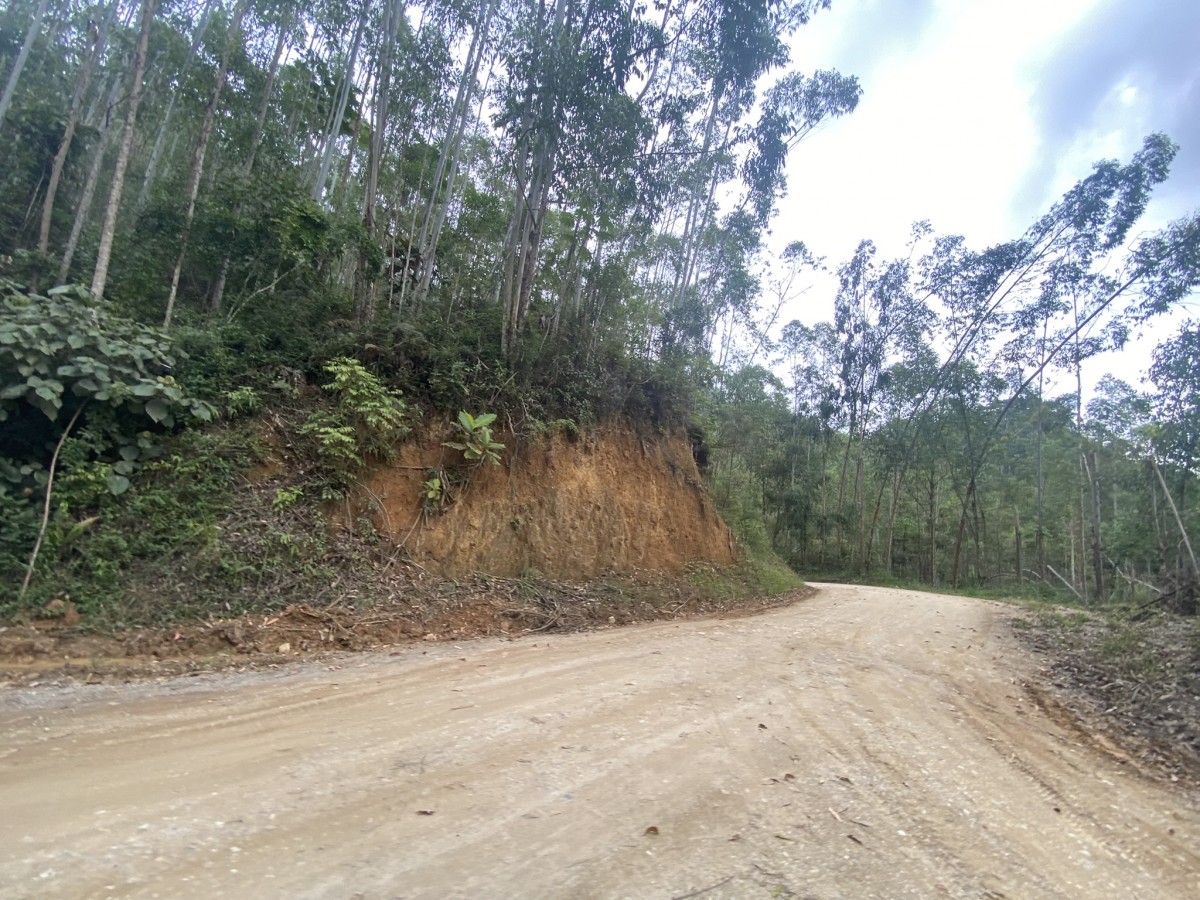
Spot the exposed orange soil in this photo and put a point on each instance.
(569, 507)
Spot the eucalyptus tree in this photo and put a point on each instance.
(442, 185)
(564, 65)
(393, 21)
(282, 35)
(1175, 372)
(179, 76)
(233, 38)
(738, 42)
(995, 303)
(21, 58)
(733, 45)
(879, 321)
(96, 43)
(1119, 421)
(105, 133)
(109, 229)
(792, 109)
(345, 89)
(799, 503)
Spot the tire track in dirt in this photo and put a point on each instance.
(865, 743)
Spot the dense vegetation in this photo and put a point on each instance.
(556, 213)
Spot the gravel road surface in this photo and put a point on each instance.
(866, 742)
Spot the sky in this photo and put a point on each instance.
(978, 114)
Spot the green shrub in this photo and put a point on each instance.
(475, 438)
(366, 418)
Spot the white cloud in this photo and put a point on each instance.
(964, 122)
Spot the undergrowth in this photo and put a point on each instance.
(754, 575)
(190, 539)
(235, 518)
(1133, 670)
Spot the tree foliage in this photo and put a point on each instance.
(560, 211)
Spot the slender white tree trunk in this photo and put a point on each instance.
(14, 76)
(206, 130)
(335, 124)
(447, 167)
(84, 208)
(108, 232)
(364, 297)
(248, 167)
(165, 128)
(82, 85)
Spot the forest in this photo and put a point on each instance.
(553, 213)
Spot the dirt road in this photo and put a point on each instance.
(864, 743)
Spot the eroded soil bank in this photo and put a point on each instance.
(568, 506)
(571, 531)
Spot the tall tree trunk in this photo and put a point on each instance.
(264, 105)
(956, 568)
(1040, 533)
(979, 526)
(536, 160)
(364, 289)
(1018, 548)
(528, 237)
(197, 169)
(1091, 467)
(933, 520)
(218, 294)
(335, 124)
(109, 231)
(82, 84)
(841, 498)
(339, 192)
(164, 128)
(697, 215)
(890, 541)
(84, 206)
(1175, 511)
(14, 74)
(447, 166)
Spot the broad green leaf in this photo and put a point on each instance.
(117, 484)
(158, 410)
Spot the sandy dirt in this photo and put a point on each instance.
(863, 743)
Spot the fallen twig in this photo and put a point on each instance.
(711, 887)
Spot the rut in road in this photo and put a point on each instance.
(864, 743)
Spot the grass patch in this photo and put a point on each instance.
(754, 576)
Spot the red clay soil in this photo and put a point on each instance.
(570, 507)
